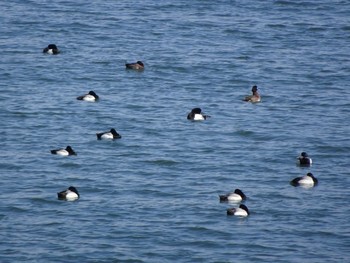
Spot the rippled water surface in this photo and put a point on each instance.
(153, 195)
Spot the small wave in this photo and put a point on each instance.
(163, 162)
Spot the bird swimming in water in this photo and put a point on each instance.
(91, 96)
(111, 135)
(69, 194)
(135, 66)
(241, 211)
(64, 152)
(236, 196)
(255, 97)
(304, 159)
(196, 115)
(51, 49)
(306, 181)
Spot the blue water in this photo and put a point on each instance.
(153, 195)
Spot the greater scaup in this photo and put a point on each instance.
(241, 211)
(69, 194)
(236, 196)
(109, 135)
(136, 66)
(306, 181)
(196, 115)
(51, 49)
(91, 96)
(64, 152)
(255, 97)
(304, 159)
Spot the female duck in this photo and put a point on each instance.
(196, 115)
(241, 211)
(236, 196)
(304, 159)
(306, 181)
(51, 49)
(255, 97)
(64, 152)
(110, 135)
(69, 194)
(135, 66)
(91, 96)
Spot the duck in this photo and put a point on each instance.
(241, 211)
(255, 97)
(304, 159)
(91, 96)
(109, 135)
(64, 152)
(70, 194)
(136, 66)
(306, 181)
(196, 115)
(236, 196)
(51, 49)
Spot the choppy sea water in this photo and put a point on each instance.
(153, 195)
